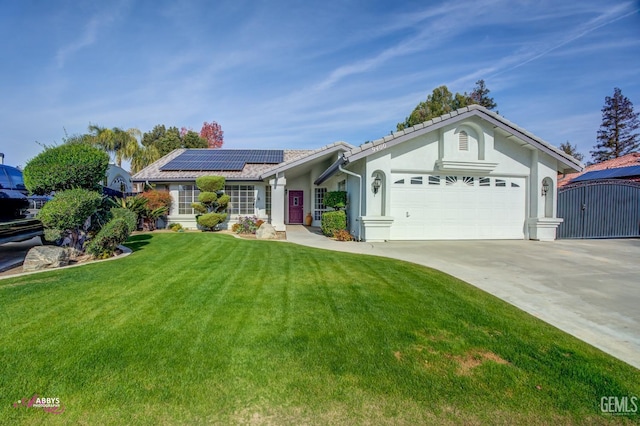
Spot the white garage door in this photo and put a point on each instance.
(430, 207)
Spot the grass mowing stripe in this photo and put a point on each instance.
(205, 328)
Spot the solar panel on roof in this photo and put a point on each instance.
(222, 159)
(609, 173)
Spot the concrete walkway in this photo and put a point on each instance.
(587, 288)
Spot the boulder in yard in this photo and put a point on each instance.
(45, 257)
(266, 232)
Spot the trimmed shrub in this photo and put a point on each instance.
(342, 235)
(335, 199)
(105, 243)
(130, 218)
(333, 221)
(65, 167)
(210, 183)
(175, 227)
(210, 221)
(212, 202)
(207, 198)
(68, 210)
(52, 235)
(157, 199)
(199, 208)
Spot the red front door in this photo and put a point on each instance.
(296, 207)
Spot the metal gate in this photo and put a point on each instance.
(599, 209)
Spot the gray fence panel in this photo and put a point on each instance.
(600, 209)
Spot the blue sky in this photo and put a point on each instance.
(302, 74)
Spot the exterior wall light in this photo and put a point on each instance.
(545, 187)
(376, 184)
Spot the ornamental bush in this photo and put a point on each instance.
(65, 167)
(209, 221)
(175, 227)
(247, 225)
(157, 199)
(342, 235)
(333, 221)
(69, 209)
(210, 183)
(105, 243)
(129, 217)
(335, 199)
(212, 202)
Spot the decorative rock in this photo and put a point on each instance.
(266, 232)
(45, 257)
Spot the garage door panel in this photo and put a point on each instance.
(461, 209)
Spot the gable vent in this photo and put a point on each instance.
(463, 141)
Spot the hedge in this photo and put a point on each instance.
(130, 217)
(66, 167)
(333, 221)
(105, 243)
(69, 209)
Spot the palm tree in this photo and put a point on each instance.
(143, 156)
(119, 144)
(126, 143)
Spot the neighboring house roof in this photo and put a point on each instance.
(436, 123)
(625, 161)
(242, 164)
(620, 172)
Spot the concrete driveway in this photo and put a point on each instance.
(588, 288)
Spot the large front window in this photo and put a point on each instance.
(187, 194)
(319, 203)
(242, 199)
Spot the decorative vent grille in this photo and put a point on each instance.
(463, 141)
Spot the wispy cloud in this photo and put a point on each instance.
(91, 31)
(534, 50)
(427, 29)
(86, 39)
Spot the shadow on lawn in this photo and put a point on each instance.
(137, 242)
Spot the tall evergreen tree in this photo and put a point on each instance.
(572, 150)
(618, 134)
(442, 101)
(480, 96)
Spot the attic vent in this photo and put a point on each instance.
(463, 141)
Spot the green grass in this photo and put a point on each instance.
(200, 328)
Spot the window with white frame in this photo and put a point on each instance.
(242, 199)
(267, 201)
(187, 194)
(319, 203)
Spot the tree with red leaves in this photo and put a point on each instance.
(213, 133)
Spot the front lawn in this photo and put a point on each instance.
(200, 328)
